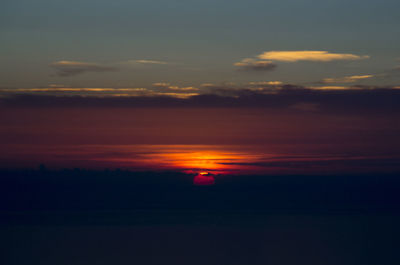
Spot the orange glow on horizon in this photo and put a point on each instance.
(197, 160)
(202, 162)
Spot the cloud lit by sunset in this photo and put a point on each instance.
(316, 56)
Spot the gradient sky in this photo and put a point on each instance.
(112, 113)
(197, 41)
(261, 85)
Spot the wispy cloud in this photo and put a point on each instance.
(71, 89)
(172, 87)
(346, 79)
(161, 85)
(101, 92)
(315, 56)
(285, 98)
(186, 88)
(266, 83)
(256, 65)
(148, 62)
(72, 68)
(166, 89)
(331, 88)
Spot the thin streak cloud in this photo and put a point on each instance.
(72, 68)
(149, 62)
(314, 56)
(322, 99)
(172, 87)
(255, 65)
(346, 79)
(266, 83)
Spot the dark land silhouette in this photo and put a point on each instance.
(120, 217)
(102, 196)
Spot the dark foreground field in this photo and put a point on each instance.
(119, 217)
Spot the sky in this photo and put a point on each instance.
(199, 132)
(221, 86)
(189, 43)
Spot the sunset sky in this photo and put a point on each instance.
(222, 86)
(193, 132)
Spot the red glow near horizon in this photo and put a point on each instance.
(195, 160)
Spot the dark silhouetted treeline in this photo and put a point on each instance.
(125, 193)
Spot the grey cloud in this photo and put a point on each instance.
(256, 65)
(286, 98)
(72, 68)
